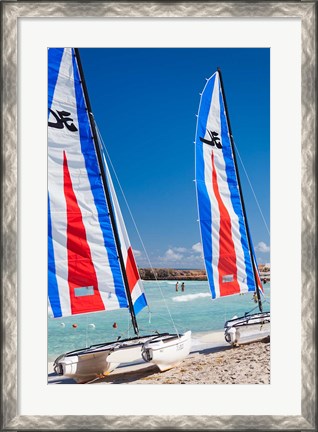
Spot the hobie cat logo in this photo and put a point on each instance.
(214, 141)
(62, 119)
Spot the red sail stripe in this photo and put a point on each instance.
(81, 271)
(258, 280)
(131, 270)
(227, 256)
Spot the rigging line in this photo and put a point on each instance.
(248, 179)
(247, 313)
(137, 230)
(86, 335)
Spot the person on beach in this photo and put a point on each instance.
(182, 286)
(177, 286)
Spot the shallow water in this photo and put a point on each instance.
(192, 309)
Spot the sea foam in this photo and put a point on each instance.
(190, 297)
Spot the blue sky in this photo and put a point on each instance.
(145, 103)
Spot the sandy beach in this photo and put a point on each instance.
(211, 361)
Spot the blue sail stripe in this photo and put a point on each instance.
(54, 60)
(234, 193)
(204, 203)
(140, 303)
(93, 174)
(53, 291)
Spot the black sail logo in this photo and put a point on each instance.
(62, 119)
(214, 141)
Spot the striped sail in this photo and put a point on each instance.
(228, 259)
(133, 277)
(84, 273)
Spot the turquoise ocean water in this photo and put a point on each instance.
(192, 309)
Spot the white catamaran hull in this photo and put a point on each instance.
(165, 351)
(251, 328)
(85, 367)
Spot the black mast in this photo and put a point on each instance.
(107, 194)
(240, 192)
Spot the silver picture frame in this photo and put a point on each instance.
(11, 11)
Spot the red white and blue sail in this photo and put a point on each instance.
(133, 277)
(228, 259)
(84, 272)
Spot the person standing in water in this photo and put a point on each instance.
(182, 286)
(177, 286)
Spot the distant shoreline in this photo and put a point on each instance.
(172, 274)
(183, 274)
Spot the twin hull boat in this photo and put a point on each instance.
(164, 350)
(250, 328)
(228, 250)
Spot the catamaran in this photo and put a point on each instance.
(228, 251)
(91, 265)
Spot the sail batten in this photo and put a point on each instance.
(84, 272)
(228, 259)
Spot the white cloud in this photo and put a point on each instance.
(172, 255)
(262, 247)
(179, 249)
(137, 253)
(197, 247)
(182, 257)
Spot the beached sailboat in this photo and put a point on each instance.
(91, 266)
(228, 251)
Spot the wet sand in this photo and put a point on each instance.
(211, 361)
